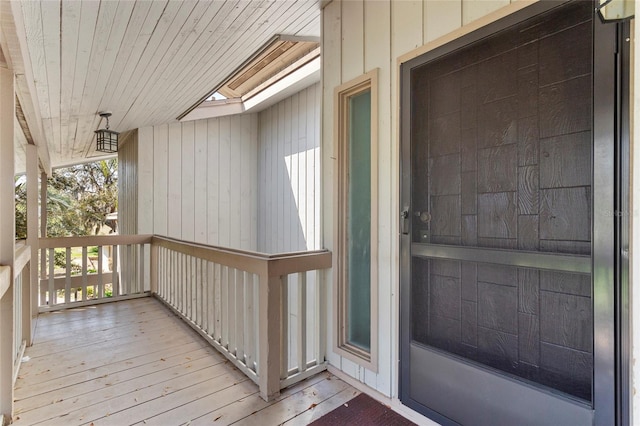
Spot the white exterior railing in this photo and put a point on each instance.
(76, 284)
(238, 301)
(15, 297)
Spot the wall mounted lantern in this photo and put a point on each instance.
(107, 139)
(615, 10)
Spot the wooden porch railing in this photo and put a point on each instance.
(15, 297)
(263, 312)
(21, 304)
(113, 270)
(239, 301)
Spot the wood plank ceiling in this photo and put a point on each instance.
(145, 61)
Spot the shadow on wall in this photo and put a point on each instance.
(288, 205)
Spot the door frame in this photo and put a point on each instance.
(609, 267)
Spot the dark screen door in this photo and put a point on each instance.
(501, 167)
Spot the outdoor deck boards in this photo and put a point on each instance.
(135, 362)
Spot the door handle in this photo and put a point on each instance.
(404, 221)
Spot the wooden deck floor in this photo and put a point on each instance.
(135, 362)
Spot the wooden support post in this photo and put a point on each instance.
(30, 287)
(7, 236)
(270, 314)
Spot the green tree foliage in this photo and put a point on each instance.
(78, 199)
(21, 207)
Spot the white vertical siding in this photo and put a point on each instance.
(197, 181)
(145, 181)
(174, 181)
(358, 36)
(187, 193)
(128, 176)
(288, 148)
(200, 184)
(131, 201)
(158, 144)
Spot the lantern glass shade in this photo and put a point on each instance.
(107, 140)
(615, 10)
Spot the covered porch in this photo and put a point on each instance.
(135, 361)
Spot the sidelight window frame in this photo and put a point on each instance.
(342, 96)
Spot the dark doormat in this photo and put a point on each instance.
(362, 410)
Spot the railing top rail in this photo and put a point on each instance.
(93, 240)
(250, 261)
(5, 279)
(22, 257)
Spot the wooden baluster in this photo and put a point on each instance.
(67, 280)
(186, 294)
(171, 283)
(163, 265)
(224, 306)
(127, 270)
(231, 310)
(115, 284)
(175, 286)
(217, 303)
(207, 301)
(193, 290)
(320, 323)
(200, 274)
(27, 290)
(100, 291)
(43, 275)
(53, 297)
(239, 315)
(249, 323)
(256, 320)
(141, 285)
(84, 273)
(302, 322)
(183, 283)
(17, 315)
(284, 327)
(178, 281)
(188, 309)
(161, 271)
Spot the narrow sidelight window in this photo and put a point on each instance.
(356, 207)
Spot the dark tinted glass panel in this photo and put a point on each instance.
(531, 323)
(502, 143)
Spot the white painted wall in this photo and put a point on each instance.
(289, 174)
(197, 181)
